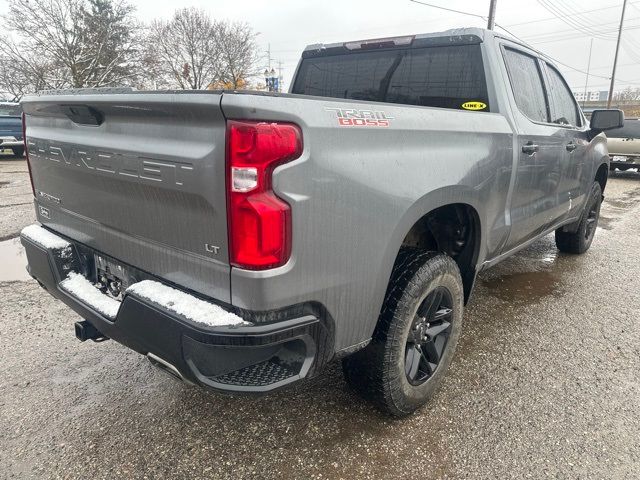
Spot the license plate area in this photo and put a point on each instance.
(111, 277)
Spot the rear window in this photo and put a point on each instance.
(438, 76)
(631, 129)
(10, 110)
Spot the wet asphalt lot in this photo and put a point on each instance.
(545, 383)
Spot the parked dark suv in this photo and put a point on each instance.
(11, 128)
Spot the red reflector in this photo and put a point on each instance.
(259, 222)
(26, 151)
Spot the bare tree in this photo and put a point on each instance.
(627, 95)
(185, 49)
(69, 43)
(193, 51)
(237, 46)
(28, 74)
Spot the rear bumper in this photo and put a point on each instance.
(251, 357)
(10, 142)
(629, 160)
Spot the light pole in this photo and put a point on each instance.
(586, 82)
(615, 59)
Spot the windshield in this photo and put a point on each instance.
(9, 110)
(442, 76)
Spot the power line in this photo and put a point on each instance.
(548, 19)
(570, 18)
(450, 9)
(514, 36)
(570, 36)
(549, 56)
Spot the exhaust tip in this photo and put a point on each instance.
(165, 367)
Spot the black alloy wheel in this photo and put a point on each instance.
(428, 336)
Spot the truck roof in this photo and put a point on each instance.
(460, 35)
(479, 33)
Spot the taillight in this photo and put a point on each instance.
(26, 151)
(259, 222)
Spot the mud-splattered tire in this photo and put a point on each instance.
(579, 241)
(420, 323)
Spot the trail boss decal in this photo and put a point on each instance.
(474, 106)
(349, 117)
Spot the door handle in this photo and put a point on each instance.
(530, 148)
(571, 147)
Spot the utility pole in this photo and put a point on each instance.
(280, 78)
(615, 58)
(492, 14)
(586, 83)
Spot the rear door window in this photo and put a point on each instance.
(440, 76)
(526, 83)
(564, 110)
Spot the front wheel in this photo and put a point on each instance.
(579, 241)
(18, 151)
(416, 335)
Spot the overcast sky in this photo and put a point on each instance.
(289, 25)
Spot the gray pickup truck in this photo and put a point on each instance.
(243, 240)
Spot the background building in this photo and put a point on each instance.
(594, 96)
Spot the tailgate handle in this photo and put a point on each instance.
(83, 114)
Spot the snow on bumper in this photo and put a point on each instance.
(44, 238)
(187, 306)
(183, 304)
(81, 288)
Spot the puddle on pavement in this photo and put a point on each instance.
(523, 287)
(605, 223)
(13, 261)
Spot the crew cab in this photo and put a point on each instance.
(244, 240)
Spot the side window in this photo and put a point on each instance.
(526, 82)
(564, 110)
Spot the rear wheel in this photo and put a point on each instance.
(18, 151)
(580, 240)
(416, 335)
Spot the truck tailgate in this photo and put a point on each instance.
(136, 176)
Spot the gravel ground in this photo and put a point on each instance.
(16, 199)
(545, 383)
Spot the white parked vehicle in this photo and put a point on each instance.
(624, 145)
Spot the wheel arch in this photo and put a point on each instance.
(455, 198)
(602, 174)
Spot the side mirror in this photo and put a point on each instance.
(602, 120)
